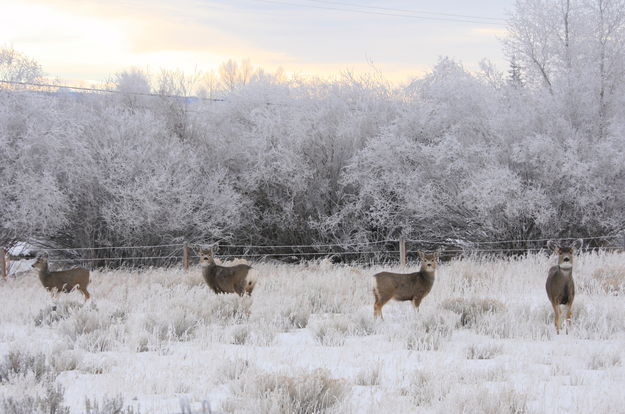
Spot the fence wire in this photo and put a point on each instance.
(357, 250)
(448, 242)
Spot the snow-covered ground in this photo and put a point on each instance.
(483, 341)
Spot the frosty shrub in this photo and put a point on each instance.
(597, 323)
(228, 309)
(332, 331)
(503, 400)
(84, 320)
(156, 328)
(300, 392)
(295, 316)
(92, 329)
(54, 313)
(181, 325)
(233, 369)
(65, 360)
(362, 324)
(323, 299)
(369, 376)
(483, 351)
(114, 405)
(604, 360)
(19, 363)
(610, 279)
(471, 311)
(101, 340)
(240, 334)
(50, 403)
(523, 321)
(427, 333)
(474, 276)
(425, 388)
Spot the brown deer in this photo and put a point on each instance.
(560, 285)
(402, 287)
(226, 279)
(62, 280)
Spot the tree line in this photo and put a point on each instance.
(535, 151)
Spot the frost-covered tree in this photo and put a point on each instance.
(453, 155)
(17, 67)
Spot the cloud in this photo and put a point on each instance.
(93, 39)
(489, 31)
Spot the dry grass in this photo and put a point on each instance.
(471, 311)
(611, 279)
(303, 392)
(483, 351)
(307, 328)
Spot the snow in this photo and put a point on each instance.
(21, 249)
(160, 338)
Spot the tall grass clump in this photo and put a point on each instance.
(109, 405)
(472, 310)
(428, 333)
(300, 392)
(52, 402)
(18, 364)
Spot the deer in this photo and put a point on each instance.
(62, 280)
(405, 286)
(560, 286)
(226, 279)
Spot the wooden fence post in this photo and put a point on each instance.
(185, 256)
(402, 252)
(3, 262)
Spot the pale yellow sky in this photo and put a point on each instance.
(91, 40)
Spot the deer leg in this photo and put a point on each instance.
(569, 313)
(85, 293)
(416, 302)
(377, 307)
(377, 311)
(556, 310)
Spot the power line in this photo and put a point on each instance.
(380, 13)
(463, 16)
(82, 88)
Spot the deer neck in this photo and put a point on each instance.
(428, 274)
(566, 270)
(44, 273)
(209, 268)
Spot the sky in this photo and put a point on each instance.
(88, 40)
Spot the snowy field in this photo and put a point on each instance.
(482, 342)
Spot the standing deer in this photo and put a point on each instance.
(223, 279)
(62, 280)
(560, 285)
(402, 287)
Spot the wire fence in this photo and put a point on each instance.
(363, 252)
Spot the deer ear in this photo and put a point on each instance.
(551, 245)
(577, 244)
(421, 255)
